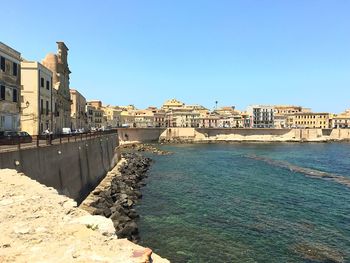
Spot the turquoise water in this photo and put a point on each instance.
(214, 203)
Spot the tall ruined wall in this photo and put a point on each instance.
(73, 169)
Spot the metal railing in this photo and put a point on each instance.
(36, 141)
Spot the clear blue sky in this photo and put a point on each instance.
(238, 52)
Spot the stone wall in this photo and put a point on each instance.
(140, 134)
(226, 134)
(74, 169)
(272, 135)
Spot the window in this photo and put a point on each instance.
(2, 92)
(42, 82)
(41, 106)
(47, 108)
(2, 121)
(3, 64)
(14, 69)
(14, 95)
(47, 85)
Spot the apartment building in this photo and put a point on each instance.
(95, 115)
(182, 117)
(172, 104)
(78, 110)
(309, 120)
(159, 118)
(112, 116)
(262, 116)
(340, 121)
(10, 88)
(37, 98)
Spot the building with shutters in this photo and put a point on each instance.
(10, 88)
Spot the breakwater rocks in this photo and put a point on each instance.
(313, 173)
(117, 200)
(141, 147)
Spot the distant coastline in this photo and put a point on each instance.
(216, 135)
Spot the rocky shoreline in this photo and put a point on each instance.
(143, 147)
(118, 200)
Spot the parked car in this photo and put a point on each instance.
(8, 137)
(66, 131)
(24, 137)
(13, 137)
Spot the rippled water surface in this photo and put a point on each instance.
(222, 203)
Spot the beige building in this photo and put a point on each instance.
(127, 118)
(10, 88)
(159, 118)
(280, 121)
(36, 102)
(340, 121)
(226, 111)
(95, 115)
(182, 117)
(144, 118)
(309, 120)
(208, 120)
(90, 116)
(58, 64)
(95, 103)
(288, 109)
(112, 116)
(99, 119)
(172, 104)
(281, 113)
(78, 110)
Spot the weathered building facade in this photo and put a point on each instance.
(10, 88)
(112, 116)
(58, 64)
(309, 120)
(261, 116)
(78, 110)
(95, 115)
(37, 98)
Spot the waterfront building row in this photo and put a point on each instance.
(174, 113)
(36, 96)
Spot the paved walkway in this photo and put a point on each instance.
(38, 225)
(44, 143)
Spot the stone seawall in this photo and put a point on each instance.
(74, 169)
(228, 134)
(139, 134)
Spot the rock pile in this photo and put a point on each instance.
(117, 201)
(140, 147)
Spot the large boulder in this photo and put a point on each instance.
(97, 223)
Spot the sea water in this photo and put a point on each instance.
(221, 203)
